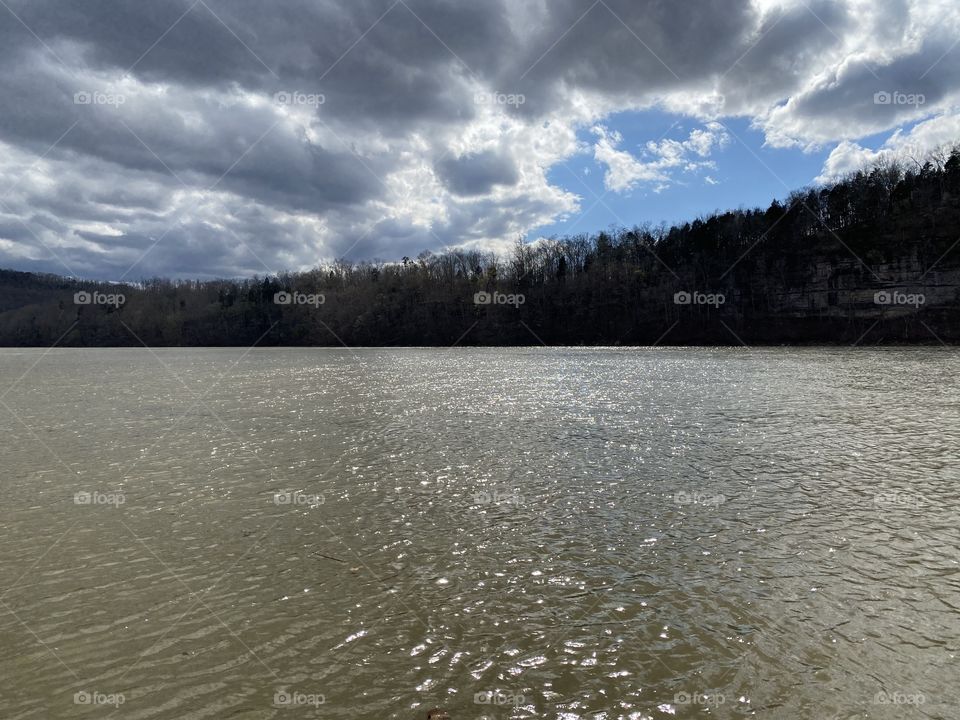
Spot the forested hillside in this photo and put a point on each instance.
(872, 259)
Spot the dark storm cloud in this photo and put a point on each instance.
(775, 58)
(401, 71)
(477, 173)
(622, 47)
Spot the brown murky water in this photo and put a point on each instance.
(560, 533)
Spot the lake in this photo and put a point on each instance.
(530, 532)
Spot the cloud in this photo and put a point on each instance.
(477, 173)
(900, 49)
(906, 148)
(667, 158)
(403, 126)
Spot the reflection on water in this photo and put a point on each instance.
(563, 533)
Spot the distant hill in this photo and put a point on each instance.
(872, 259)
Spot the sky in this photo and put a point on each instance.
(232, 138)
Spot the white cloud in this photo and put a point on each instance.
(904, 147)
(665, 158)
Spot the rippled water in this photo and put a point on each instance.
(581, 532)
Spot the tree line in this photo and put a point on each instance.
(843, 263)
